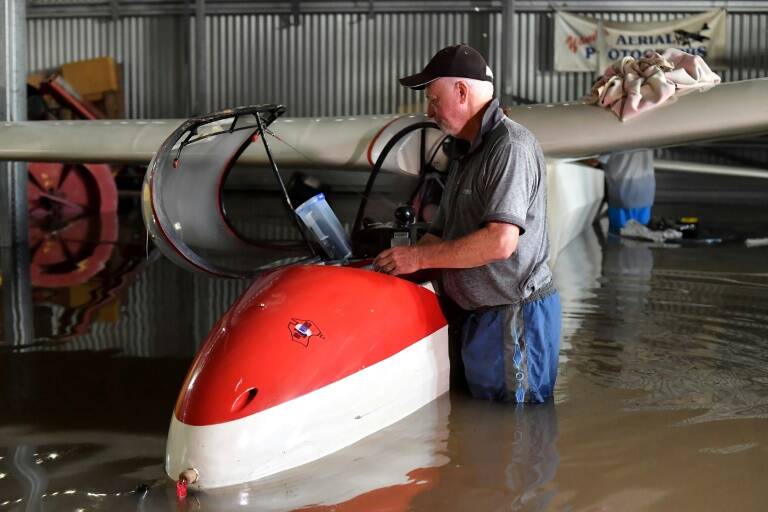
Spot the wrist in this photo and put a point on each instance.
(418, 253)
(426, 254)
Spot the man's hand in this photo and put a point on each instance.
(398, 260)
(495, 241)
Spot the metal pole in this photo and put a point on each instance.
(479, 28)
(14, 256)
(286, 197)
(201, 59)
(507, 52)
(13, 106)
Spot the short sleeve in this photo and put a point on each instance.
(512, 176)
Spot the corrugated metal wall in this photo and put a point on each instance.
(328, 64)
(335, 63)
(152, 53)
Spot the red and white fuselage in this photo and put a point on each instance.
(309, 360)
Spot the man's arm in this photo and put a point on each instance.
(496, 241)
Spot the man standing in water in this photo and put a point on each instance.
(489, 235)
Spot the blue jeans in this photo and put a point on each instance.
(510, 353)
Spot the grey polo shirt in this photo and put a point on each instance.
(501, 178)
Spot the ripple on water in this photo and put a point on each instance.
(690, 339)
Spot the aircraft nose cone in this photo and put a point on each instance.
(298, 329)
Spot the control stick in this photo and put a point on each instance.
(404, 216)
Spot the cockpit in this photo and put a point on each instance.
(281, 222)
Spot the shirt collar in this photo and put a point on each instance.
(491, 117)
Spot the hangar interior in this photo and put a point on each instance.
(661, 400)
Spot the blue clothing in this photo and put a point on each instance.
(618, 217)
(629, 178)
(510, 353)
(630, 187)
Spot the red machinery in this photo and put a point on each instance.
(71, 234)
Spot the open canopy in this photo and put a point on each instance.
(182, 197)
(183, 194)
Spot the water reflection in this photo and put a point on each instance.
(33, 480)
(503, 457)
(79, 273)
(96, 284)
(507, 455)
(690, 338)
(657, 344)
(16, 296)
(47, 472)
(384, 471)
(577, 274)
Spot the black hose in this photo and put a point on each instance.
(380, 161)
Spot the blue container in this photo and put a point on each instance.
(319, 218)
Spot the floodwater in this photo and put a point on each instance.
(661, 402)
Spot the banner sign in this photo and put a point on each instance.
(588, 44)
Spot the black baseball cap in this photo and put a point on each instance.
(459, 60)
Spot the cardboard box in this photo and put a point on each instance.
(34, 79)
(93, 77)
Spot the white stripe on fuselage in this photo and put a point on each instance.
(313, 425)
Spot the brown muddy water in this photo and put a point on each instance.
(661, 402)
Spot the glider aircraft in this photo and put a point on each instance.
(321, 351)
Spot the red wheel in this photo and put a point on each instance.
(73, 222)
(67, 189)
(71, 253)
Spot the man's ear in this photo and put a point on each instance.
(463, 90)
